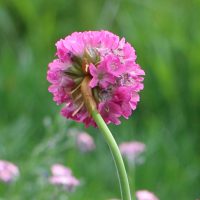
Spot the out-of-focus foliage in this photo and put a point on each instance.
(166, 36)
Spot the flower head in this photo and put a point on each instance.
(131, 150)
(110, 64)
(8, 171)
(85, 142)
(145, 195)
(62, 175)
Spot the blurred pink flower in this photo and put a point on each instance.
(69, 182)
(109, 62)
(145, 195)
(60, 170)
(85, 142)
(8, 171)
(131, 150)
(62, 175)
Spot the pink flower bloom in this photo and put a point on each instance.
(114, 65)
(85, 142)
(110, 111)
(62, 175)
(110, 63)
(8, 171)
(101, 76)
(145, 195)
(131, 150)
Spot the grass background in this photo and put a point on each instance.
(166, 36)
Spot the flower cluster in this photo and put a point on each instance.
(8, 171)
(110, 64)
(62, 175)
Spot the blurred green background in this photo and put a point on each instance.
(166, 36)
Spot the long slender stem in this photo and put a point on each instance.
(131, 175)
(123, 179)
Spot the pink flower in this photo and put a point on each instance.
(131, 150)
(60, 170)
(85, 142)
(100, 76)
(110, 111)
(69, 182)
(62, 175)
(8, 171)
(109, 62)
(114, 65)
(145, 195)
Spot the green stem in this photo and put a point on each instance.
(123, 179)
(131, 171)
